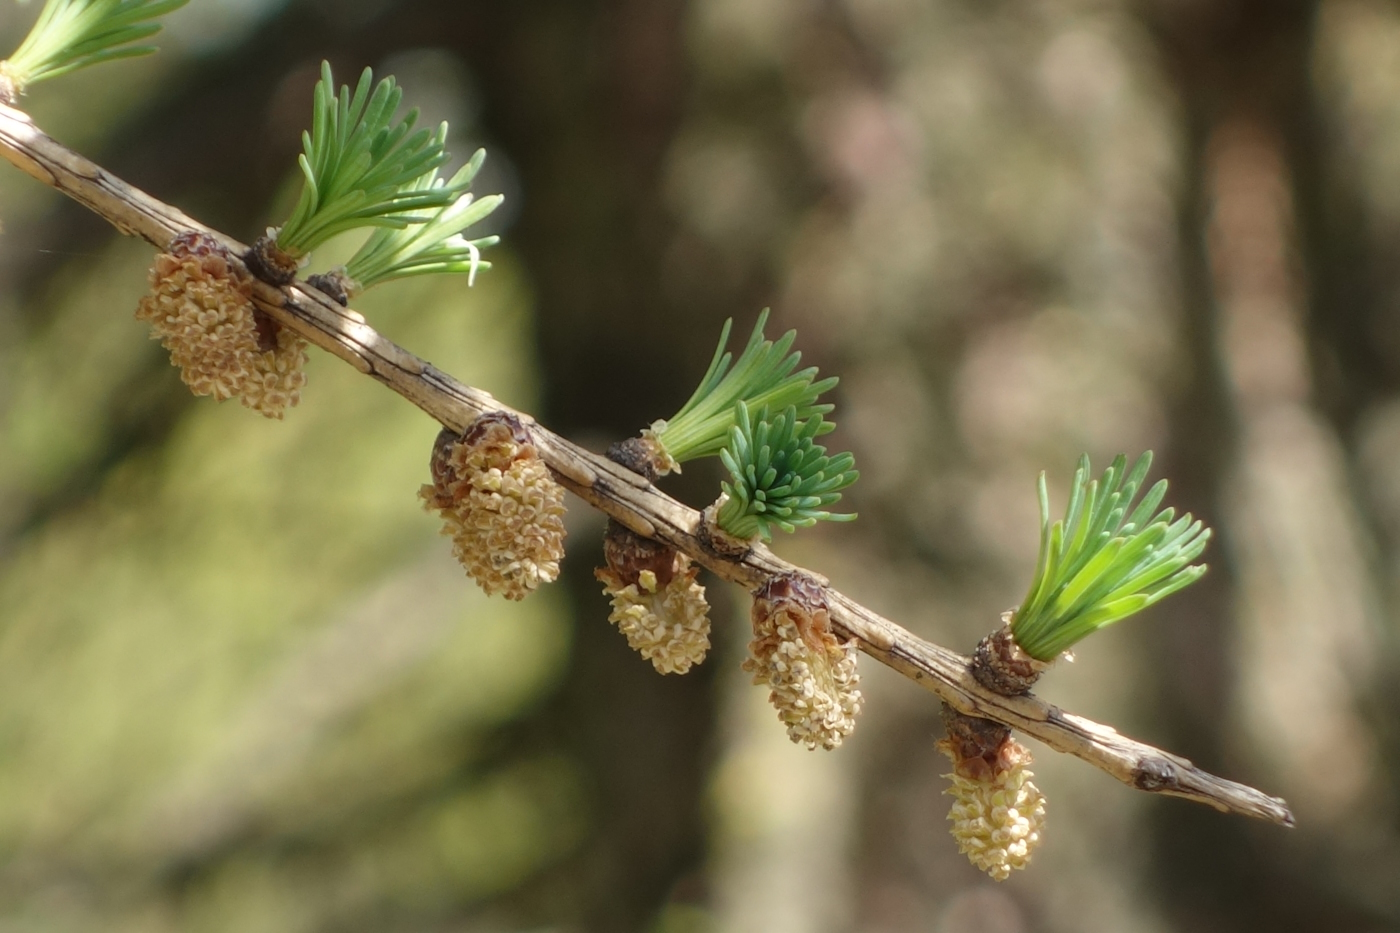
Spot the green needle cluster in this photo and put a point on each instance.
(1103, 562)
(72, 34)
(435, 245)
(780, 477)
(762, 377)
(360, 166)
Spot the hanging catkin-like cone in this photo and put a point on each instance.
(656, 602)
(998, 815)
(499, 503)
(810, 673)
(200, 308)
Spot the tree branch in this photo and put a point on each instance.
(629, 498)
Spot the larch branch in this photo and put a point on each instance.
(629, 498)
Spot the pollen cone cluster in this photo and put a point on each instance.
(998, 815)
(500, 505)
(811, 674)
(656, 602)
(200, 308)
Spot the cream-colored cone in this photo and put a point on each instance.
(200, 308)
(668, 624)
(997, 817)
(811, 675)
(502, 508)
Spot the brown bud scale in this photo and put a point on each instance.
(636, 454)
(335, 283)
(269, 262)
(628, 555)
(1002, 667)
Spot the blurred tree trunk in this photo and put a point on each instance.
(1243, 76)
(586, 96)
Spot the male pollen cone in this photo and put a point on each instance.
(500, 505)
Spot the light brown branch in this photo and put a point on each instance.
(629, 498)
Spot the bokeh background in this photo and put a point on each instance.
(243, 687)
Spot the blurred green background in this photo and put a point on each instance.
(243, 686)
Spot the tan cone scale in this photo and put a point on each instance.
(810, 673)
(500, 505)
(200, 308)
(666, 623)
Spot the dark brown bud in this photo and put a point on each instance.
(269, 263)
(976, 745)
(334, 283)
(478, 429)
(636, 454)
(1002, 667)
(196, 244)
(629, 554)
